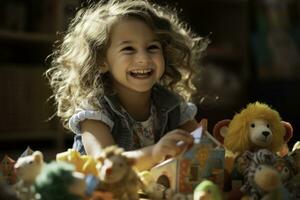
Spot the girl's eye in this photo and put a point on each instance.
(252, 125)
(128, 49)
(153, 48)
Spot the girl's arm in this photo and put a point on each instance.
(96, 136)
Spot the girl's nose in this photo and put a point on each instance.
(142, 58)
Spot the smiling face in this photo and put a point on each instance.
(135, 56)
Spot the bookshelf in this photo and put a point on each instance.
(254, 55)
(27, 32)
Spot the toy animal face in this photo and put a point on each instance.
(28, 167)
(255, 127)
(284, 167)
(113, 169)
(260, 133)
(267, 178)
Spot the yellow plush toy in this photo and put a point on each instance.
(83, 163)
(255, 127)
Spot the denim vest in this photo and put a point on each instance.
(167, 105)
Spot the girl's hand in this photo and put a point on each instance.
(172, 144)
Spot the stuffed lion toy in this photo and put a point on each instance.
(257, 126)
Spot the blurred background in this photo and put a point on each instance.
(254, 56)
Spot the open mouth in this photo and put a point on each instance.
(141, 73)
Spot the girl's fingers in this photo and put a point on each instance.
(183, 138)
(175, 149)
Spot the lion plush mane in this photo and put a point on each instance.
(234, 134)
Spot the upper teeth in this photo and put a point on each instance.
(141, 71)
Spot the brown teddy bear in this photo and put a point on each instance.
(255, 127)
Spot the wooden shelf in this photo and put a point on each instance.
(27, 37)
(26, 40)
(29, 135)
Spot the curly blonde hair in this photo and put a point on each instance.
(75, 75)
(237, 137)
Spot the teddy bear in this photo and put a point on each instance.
(257, 126)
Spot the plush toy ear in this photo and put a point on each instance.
(101, 159)
(288, 131)
(220, 130)
(38, 157)
(131, 161)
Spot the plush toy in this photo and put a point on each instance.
(295, 154)
(261, 178)
(27, 169)
(83, 163)
(255, 127)
(285, 167)
(293, 184)
(207, 190)
(59, 181)
(117, 175)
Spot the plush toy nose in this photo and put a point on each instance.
(266, 133)
(108, 171)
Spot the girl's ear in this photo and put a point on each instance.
(288, 131)
(221, 129)
(104, 68)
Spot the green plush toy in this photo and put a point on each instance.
(207, 190)
(58, 181)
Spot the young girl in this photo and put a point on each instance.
(121, 76)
